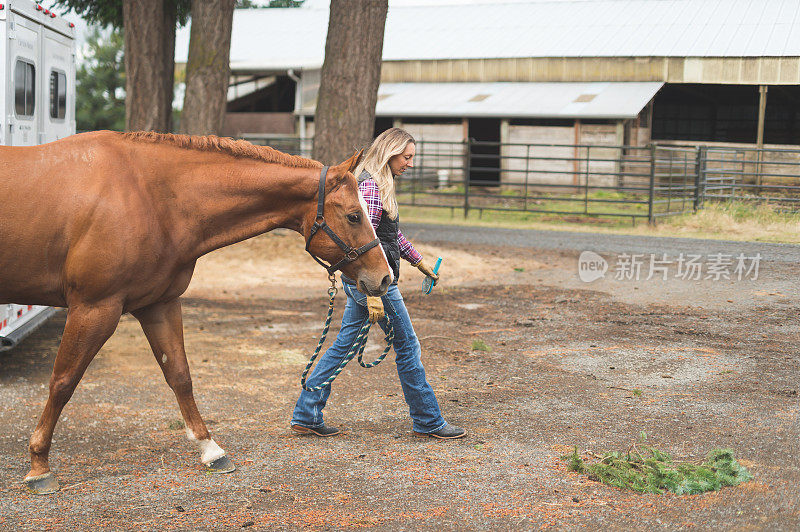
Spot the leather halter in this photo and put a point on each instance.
(350, 253)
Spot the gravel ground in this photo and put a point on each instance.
(715, 359)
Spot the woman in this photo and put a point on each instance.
(388, 156)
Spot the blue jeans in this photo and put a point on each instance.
(422, 404)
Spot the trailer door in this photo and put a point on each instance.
(58, 81)
(25, 89)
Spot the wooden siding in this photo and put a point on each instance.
(728, 70)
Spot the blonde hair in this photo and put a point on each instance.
(376, 162)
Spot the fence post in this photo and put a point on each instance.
(650, 214)
(699, 178)
(417, 173)
(468, 160)
(586, 184)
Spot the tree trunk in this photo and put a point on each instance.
(208, 67)
(348, 90)
(168, 56)
(149, 63)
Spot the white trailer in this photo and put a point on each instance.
(38, 92)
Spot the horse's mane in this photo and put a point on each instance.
(236, 148)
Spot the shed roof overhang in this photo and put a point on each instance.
(595, 100)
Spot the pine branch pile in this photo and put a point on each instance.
(647, 470)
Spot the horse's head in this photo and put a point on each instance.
(345, 215)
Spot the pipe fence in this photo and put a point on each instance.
(632, 182)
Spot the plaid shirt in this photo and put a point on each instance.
(372, 196)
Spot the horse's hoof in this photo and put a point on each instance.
(221, 465)
(42, 484)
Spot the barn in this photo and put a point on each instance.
(552, 92)
(572, 71)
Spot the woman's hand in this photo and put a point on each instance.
(375, 309)
(425, 268)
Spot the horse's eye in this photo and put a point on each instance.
(354, 218)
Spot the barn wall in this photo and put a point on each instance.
(564, 163)
(732, 70)
(239, 124)
(438, 132)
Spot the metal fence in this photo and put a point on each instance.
(555, 179)
(586, 180)
(749, 174)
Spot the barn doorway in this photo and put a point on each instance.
(485, 151)
(382, 123)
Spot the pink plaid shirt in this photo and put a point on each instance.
(372, 195)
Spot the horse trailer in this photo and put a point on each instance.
(39, 93)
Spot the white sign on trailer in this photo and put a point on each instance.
(39, 93)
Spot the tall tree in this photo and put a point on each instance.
(208, 67)
(100, 103)
(351, 73)
(149, 28)
(146, 65)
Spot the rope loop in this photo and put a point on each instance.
(356, 349)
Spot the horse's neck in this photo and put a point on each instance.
(234, 199)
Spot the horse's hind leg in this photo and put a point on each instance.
(163, 325)
(86, 330)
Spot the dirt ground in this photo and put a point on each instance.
(716, 362)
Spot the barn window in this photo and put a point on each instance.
(58, 94)
(24, 88)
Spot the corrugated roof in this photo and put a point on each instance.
(519, 100)
(295, 38)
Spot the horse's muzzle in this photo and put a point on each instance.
(371, 290)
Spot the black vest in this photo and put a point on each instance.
(386, 232)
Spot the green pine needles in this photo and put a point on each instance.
(647, 470)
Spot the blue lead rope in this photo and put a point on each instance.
(357, 349)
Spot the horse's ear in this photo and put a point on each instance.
(350, 164)
(358, 156)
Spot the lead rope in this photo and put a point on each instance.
(357, 348)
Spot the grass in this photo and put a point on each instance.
(609, 202)
(645, 469)
(720, 221)
(479, 345)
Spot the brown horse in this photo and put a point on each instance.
(106, 223)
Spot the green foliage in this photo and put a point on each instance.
(100, 100)
(176, 424)
(647, 470)
(285, 3)
(574, 461)
(479, 345)
(102, 12)
(109, 12)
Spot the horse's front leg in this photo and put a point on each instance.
(87, 329)
(163, 325)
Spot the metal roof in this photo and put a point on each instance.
(265, 39)
(599, 100)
